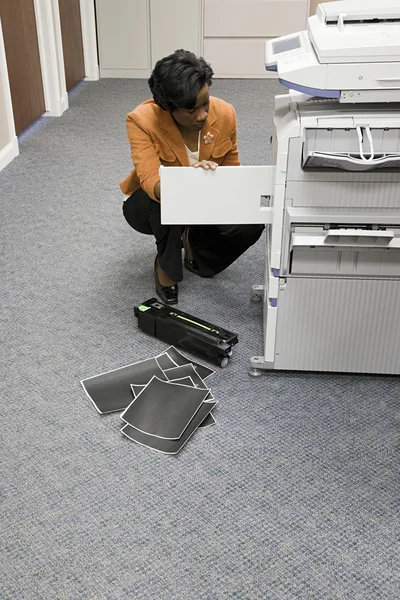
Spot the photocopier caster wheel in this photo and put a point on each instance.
(255, 372)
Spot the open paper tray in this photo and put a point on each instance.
(169, 446)
(151, 424)
(126, 378)
(180, 360)
(209, 420)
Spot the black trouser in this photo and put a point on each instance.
(214, 247)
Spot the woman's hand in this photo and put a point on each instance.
(206, 164)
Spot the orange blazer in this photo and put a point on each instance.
(156, 140)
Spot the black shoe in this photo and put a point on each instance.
(168, 294)
(191, 266)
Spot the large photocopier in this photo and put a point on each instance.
(331, 295)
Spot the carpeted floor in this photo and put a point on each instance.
(294, 493)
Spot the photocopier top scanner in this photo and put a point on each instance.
(350, 51)
(331, 199)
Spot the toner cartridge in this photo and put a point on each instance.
(186, 331)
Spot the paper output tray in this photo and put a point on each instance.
(350, 149)
(349, 162)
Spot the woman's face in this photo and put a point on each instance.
(196, 117)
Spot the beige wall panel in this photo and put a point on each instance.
(124, 38)
(249, 18)
(174, 24)
(314, 4)
(237, 58)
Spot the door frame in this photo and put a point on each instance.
(51, 57)
(89, 36)
(11, 149)
(51, 51)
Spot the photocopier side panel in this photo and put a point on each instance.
(338, 301)
(338, 324)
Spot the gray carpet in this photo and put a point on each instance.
(293, 495)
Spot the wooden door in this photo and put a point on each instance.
(71, 32)
(23, 61)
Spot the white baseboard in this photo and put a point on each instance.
(126, 73)
(64, 102)
(266, 75)
(8, 153)
(93, 74)
(60, 108)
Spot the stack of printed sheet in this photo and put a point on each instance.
(164, 399)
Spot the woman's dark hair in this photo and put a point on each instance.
(177, 79)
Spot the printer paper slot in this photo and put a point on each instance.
(349, 162)
(357, 148)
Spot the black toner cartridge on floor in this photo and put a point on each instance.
(186, 331)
